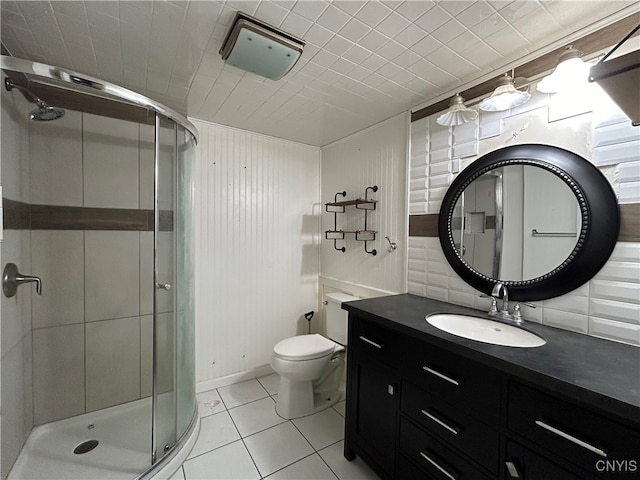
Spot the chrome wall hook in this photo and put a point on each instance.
(392, 245)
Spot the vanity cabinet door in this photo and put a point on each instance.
(372, 410)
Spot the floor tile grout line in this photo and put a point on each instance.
(303, 436)
(212, 450)
(221, 399)
(249, 403)
(290, 464)
(245, 446)
(324, 461)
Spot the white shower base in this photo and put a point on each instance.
(124, 451)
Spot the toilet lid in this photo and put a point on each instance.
(304, 347)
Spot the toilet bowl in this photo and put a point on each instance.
(302, 362)
(311, 366)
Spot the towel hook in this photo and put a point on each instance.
(392, 245)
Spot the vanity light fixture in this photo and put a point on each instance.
(457, 114)
(260, 48)
(505, 96)
(571, 73)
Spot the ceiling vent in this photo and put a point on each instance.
(260, 48)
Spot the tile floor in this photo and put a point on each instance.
(242, 437)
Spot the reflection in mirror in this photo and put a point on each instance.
(516, 223)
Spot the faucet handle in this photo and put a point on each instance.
(494, 303)
(527, 304)
(517, 315)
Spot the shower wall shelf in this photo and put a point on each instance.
(336, 207)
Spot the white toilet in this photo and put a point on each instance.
(311, 366)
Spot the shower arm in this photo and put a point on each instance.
(29, 95)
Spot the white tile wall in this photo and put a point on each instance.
(17, 400)
(56, 161)
(112, 362)
(112, 279)
(609, 305)
(95, 276)
(58, 259)
(16, 353)
(110, 162)
(58, 372)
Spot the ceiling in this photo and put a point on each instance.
(364, 61)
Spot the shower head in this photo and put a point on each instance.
(44, 112)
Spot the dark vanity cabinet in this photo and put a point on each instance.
(374, 381)
(583, 439)
(417, 410)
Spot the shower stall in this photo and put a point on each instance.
(97, 254)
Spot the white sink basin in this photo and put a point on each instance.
(484, 330)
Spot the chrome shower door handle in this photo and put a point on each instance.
(12, 279)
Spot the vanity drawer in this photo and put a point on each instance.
(580, 436)
(433, 457)
(407, 470)
(456, 380)
(448, 422)
(375, 341)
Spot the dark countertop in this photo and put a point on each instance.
(596, 373)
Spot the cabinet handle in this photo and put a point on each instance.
(440, 375)
(454, 430)
(571, 438)
(370, 342)
(513, 471)
(435, 464)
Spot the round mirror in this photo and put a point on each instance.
(540, 219)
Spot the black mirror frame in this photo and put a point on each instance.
(598, 234)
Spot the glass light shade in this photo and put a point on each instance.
(504, 97)
(259, 48)
(457, 114)
(569, 74)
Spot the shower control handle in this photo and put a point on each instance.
(12, 279)
(163, 286)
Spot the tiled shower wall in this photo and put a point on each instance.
(589, 125)
(92, 344)
(15, 313)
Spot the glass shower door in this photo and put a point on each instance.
(185, 287)
(164, 327)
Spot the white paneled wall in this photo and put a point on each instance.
(375, 156)
(257, 246)
(609, 305)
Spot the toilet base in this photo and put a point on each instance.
(296, 399)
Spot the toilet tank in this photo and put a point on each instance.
(335, 317)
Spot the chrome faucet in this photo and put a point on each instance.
(500, 291)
